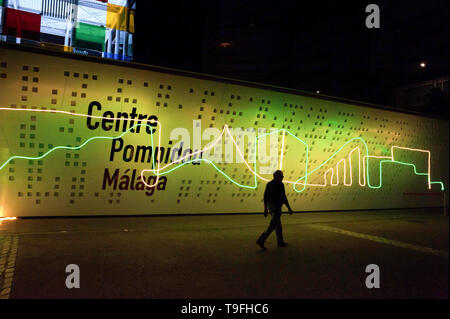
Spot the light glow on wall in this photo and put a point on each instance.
(160, 171)
(68, 146)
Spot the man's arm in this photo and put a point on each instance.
(289, 207)
(286, 201)
(266, 198)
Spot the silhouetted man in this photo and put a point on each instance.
(274, 198)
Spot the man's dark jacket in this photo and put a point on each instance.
(275, 193)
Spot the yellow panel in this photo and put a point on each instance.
(131, 26)
(117, 18)
(58, 47)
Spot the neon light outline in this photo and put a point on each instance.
(366, 157)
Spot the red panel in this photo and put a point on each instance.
(22, 24)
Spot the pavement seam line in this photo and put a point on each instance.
(8, 265)
(383, 240)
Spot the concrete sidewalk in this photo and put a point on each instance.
(216, 256)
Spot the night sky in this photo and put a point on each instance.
(322, 45)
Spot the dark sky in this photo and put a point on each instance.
(305, 45)
(170, 33)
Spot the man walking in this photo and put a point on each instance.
(274, 198)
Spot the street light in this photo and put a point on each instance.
(225, 44)
(423, 65)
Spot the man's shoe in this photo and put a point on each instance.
(283, 244)
(260, 244)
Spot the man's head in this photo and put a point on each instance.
(278, 175)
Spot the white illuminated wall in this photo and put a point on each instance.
(324, 138)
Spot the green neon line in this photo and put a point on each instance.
(414, 166)
(442, 184)
(398, 162)
(224, 174)
(307, 152)
(68, 147)
(210, 162)
(334, 154)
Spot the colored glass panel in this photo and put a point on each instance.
(22, 24)
(34, 22)
(92, 15)
(34, 6)
(120, 18)
(53, 26)
(56, 47)
(122, 3)
(90, 37)
(131, 26)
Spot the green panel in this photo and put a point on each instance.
(89, 36)
(1, 3)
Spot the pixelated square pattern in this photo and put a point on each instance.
(354, 157)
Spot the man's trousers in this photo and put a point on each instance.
(275, 224)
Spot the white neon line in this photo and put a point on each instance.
(416, 150)
(240, 153)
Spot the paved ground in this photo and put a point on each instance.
(216, 256)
